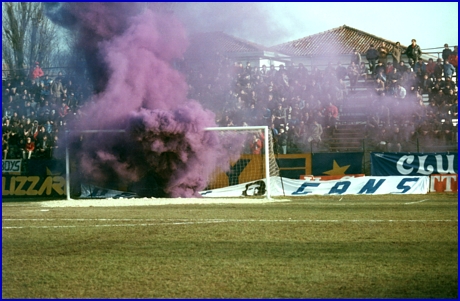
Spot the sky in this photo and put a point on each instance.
(432, 24)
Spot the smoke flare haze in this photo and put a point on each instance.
(129, 52)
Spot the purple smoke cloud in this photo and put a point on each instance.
(129, 51)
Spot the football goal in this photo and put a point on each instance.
(251, 161)
(254, 164)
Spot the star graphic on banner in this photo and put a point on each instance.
(50, 173)
(336, 169)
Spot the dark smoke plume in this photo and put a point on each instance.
(129, 50)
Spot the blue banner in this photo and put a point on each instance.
(333, 164)
(413, 164)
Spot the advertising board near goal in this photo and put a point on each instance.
(43, 178)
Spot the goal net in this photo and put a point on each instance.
(254, 164)
(248, 155)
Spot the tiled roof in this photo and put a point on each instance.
(224, 43)
(340, 40)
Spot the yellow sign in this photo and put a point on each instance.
(33, 186)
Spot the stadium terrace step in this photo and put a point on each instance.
(345, 149)
(440, 148)
(352, 119)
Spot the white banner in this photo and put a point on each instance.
(11, 166)
(95, 192)
(346, 185)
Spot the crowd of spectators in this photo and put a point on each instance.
(291, 98)
(35, 109)
(300, 105)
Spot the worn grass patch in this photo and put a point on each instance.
(322, 247)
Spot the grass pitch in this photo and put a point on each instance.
(389, 246)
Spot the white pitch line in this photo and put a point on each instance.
(207, 221)
(416, 202)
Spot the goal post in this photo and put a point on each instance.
(246, 164)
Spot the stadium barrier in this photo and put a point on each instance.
(38, 177)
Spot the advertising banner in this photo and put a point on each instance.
(43, 178)
(359, 185)
(443, 183)
(20, 186)
(11, 166)
(41, 167)
(294, 165)
(332, 164)
(413, 164)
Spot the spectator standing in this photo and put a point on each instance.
(449, 69)
(379, 86)
(47, 81)
(28, 148)
(426, 84)
(44, 111)
(363, 71)
(383, 53)
(413, 52)
(438, 69)
(4, 147)
(453, 59)
(15, 145)
(282, 141)
(430, 68)
(43, 149)
(400, 91)
(56, 90)
(331, 108)
(353, 75)
(356, 57)
(446, 52)
(280, 116)
(316, 131)
(372, 55)
(392, 80)
(382, 139)
(63, 110)
(330, 124)
(389, 68)
(403, 68)
(420, 68)
(380, 70)
(37, 72)
(447, 131)
(396, 54)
